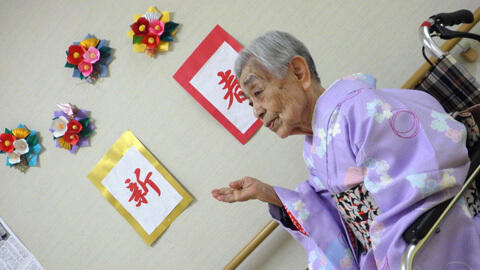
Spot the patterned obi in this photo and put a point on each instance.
(358, 209)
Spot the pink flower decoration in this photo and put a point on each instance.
(346, 263)
(86, 68)
(377, 227)
(323, 260)
(156, 27)
(455, 135)
(92, 55)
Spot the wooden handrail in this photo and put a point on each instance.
(411, 82)
(252, 245)
(446, 47)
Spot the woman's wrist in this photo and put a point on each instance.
(269, 195)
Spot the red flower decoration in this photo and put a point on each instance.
(6, 142)
(75, 54)
(151, 40)
(140, 27)
(71, 137)
(74, 127)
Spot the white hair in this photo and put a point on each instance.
(273, 51)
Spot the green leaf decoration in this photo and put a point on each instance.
(66, 52)
(137, 39)
(105, 50)
(81, 76)
(68, 65)
(84, 122)
(170, 26)
(85, 132)
(8, 131)
(32, 140)
(167, 37)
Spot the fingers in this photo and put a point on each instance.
(239, 184)
(242, 183)
(240, 190)
(225, 195)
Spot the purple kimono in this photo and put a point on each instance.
(401, 149)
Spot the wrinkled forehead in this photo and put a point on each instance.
(253, 73)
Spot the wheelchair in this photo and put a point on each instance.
(459, 93)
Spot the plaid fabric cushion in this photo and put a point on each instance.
(451, 84)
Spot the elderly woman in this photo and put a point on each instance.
(378, 159)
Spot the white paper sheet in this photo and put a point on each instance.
(13, 254)
(207, 80)
(151, 213)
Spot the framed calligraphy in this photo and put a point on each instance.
(139, 187)
(208, 76)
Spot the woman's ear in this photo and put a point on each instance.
(301, 71)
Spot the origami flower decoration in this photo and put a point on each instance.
(152, 31)
(71, 127)
(89, 58)
(21, 147)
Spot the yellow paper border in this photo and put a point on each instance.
(110, 160)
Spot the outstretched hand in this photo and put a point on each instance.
(246, 189)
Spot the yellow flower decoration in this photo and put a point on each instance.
(21, 133)
(89, 42)
(64, 144)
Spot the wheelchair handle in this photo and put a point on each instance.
(453, 18)
(436, 25)
(427, 41)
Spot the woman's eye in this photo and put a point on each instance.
(257, 93)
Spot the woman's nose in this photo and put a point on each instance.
(258, 110)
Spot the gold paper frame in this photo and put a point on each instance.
(110, 160)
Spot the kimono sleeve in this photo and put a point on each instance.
(325, 239)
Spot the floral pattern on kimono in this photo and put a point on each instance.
(410, 156)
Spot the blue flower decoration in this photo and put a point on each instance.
(317, 182)
(438, 115)
(439, 125)
(431, 187)
(313, 256)
(417, 180)
(303, 214)
(370, 163)
(372, 187)
(29, 158)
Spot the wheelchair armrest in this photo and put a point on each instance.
(424, 223)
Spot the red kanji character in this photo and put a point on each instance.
(232, 86)
(139, 194)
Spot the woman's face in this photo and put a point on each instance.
(279, 103)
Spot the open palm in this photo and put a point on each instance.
(245, 189)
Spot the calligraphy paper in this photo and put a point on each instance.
(139, 187)
(208, 76)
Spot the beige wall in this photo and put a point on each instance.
(65, 221)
